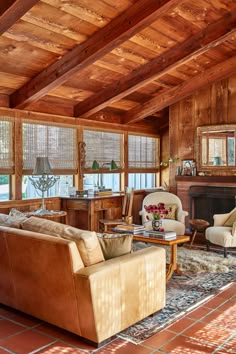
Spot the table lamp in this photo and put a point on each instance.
(44, 182)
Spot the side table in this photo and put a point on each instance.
(49, 214)
(198, 225)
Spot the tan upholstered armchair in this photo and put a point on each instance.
(223, 232)
(177, 222)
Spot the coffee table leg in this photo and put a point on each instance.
(173, 266)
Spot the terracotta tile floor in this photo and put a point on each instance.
(211, 328)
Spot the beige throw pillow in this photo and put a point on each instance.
(115, 245)
(231, 219)
(172, 208)
(12, 221)
(86, 241)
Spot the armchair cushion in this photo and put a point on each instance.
(115, 245)
(177, 224)
(231, 219)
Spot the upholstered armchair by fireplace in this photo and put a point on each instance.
(174, 221)
(223, 233)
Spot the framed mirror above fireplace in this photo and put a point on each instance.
(216, 147)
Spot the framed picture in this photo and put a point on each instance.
(188, 168)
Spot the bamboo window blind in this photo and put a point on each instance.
(6, 146)
(102, 147)
(142, 152)
(58, 143)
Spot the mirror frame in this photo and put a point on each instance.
(205, 129)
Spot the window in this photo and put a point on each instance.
(60, 188)
(143, 157)
(58, 143)
(6, 156)
(103, 147)
(109, 180)
(4, 187)
(141, 180)
(142, 152)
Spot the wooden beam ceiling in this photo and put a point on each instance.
(12, 10)
(194, 46)
(218, 72)
(138, 16)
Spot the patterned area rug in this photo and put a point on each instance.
(195, 260)
(183, 294)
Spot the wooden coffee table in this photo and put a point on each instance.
(172, 266)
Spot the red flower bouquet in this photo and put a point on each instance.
(158, 213)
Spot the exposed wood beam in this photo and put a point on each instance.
(12, 10)
(4, 100)
(194, 46)
(137, 17)
(216, 73)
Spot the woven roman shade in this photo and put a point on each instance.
(142, 152)
(58, 143)
(102, 147)
(6, 146)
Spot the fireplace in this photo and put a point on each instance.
(205, 201)
(204, 196)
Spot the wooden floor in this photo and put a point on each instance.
(211, 328)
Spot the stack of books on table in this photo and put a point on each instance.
(129, 228)
(162, 235)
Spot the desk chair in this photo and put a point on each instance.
(127, 204)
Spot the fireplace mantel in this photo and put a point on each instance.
(207, 179)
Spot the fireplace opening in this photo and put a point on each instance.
(205, 201)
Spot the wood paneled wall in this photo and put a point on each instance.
(216, 104)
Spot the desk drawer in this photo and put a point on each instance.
(77, 204)
(111, 203)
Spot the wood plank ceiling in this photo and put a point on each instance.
(121, 61)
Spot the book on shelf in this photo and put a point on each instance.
(164, 235)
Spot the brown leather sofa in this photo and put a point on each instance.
(44, 276)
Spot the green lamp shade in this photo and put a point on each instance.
(95, 165)
(113, 165)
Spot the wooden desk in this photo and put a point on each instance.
(85, 212)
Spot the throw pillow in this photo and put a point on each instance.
(86, 241)
(172, 208)
(12, 221)
(115, 245)
(231, 219)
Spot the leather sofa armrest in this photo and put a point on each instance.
(117, 293)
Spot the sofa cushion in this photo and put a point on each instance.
(12, 221)
(231, 219)
(115, 245)
(86, 241)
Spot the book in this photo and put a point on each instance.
(164, 235)
(123, 231)
(130, 227)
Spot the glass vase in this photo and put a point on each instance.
(157, 224)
